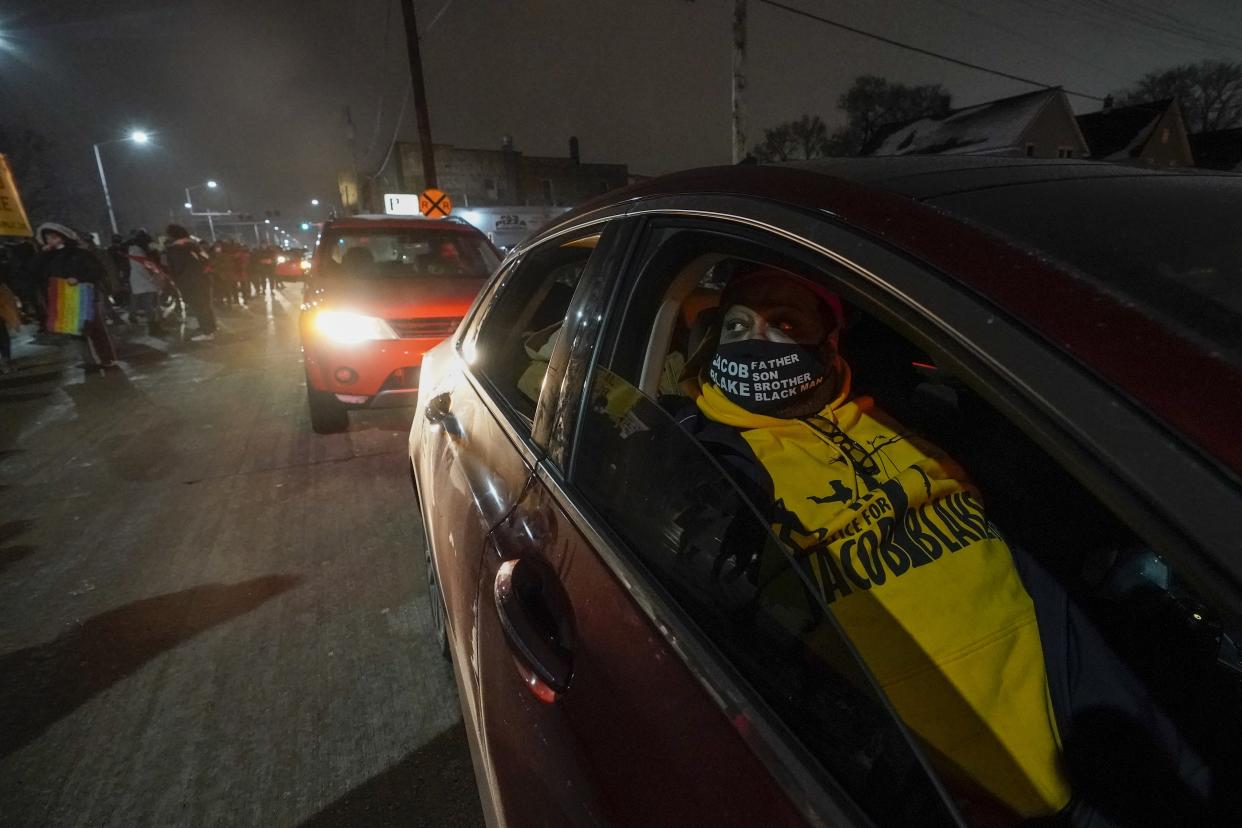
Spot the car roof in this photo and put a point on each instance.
(886, 198)
(930, 176)
(379, 220)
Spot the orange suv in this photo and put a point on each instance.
(381, 291)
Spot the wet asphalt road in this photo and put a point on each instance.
(208, 614)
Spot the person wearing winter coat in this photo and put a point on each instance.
(186, 265)
(10, 316)
(145, 277)
(954, 624)
(63, 257)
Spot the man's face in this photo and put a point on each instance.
(783, 310)
(52, 240)
(778, 311)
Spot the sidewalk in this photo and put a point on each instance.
(36, 357)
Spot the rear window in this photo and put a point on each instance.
(1169, 244)
(404, 253)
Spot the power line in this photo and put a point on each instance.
(1113, 23)
(1136, 12)
(921, 51)
(381, 77)
(396, 130)
(1025, 37)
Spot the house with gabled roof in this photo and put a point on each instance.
(1036, 124)
(1151, 134)
(1220, 149)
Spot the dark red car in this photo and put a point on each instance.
(1069, 332)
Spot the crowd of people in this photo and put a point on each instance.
(139, 281)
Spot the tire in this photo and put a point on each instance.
(327, 415)
(435, 598)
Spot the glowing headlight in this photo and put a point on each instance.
(281, 259)
(350, 328)
(305, 264)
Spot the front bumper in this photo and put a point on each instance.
(377, 373)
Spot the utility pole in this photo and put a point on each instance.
(420, 94)
(104, 182)
(739, 80)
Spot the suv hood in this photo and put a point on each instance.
(398, 298)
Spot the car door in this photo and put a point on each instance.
(602, 699)
(469, 471)
(1081, 480)
(479, 461)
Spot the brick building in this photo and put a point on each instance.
(504, 176)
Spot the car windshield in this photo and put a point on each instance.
(1163, 242)
(404, 253)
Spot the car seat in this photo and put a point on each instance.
(358, 260)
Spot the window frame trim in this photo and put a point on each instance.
(1043, 416)
(520, 428)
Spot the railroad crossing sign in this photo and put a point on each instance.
(435, 204)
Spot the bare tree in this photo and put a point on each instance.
(1209, 92)
(803, 138)
(869, 103)
(872, 102)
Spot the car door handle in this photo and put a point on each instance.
(438, 412)
(438, 407)
(538, 624)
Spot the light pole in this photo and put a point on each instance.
(189, 204)
(138, 136)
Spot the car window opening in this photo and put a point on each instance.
(515, 339)
(1127, 606)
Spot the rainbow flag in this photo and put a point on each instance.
(69, 306)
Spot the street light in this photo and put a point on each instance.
(210, 184)
(138, 137)
(314, 202)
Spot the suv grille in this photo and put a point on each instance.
(424, 328)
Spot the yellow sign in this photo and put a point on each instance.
(435, 204)
(13, 221)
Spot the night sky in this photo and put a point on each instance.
(253, 93)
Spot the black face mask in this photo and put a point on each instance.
(765, 377)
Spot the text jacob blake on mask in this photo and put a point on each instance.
(761, 377)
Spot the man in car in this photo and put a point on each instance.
(901, 551)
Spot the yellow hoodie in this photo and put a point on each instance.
(903, 554)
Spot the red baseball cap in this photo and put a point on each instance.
(767, 274)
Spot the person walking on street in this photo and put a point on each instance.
(10, 316)
(23, 281)
(145, 277)
(186, 262)
(225, 266)
(242, 259)
(118, 252)
(63, 257)
(262, 262)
